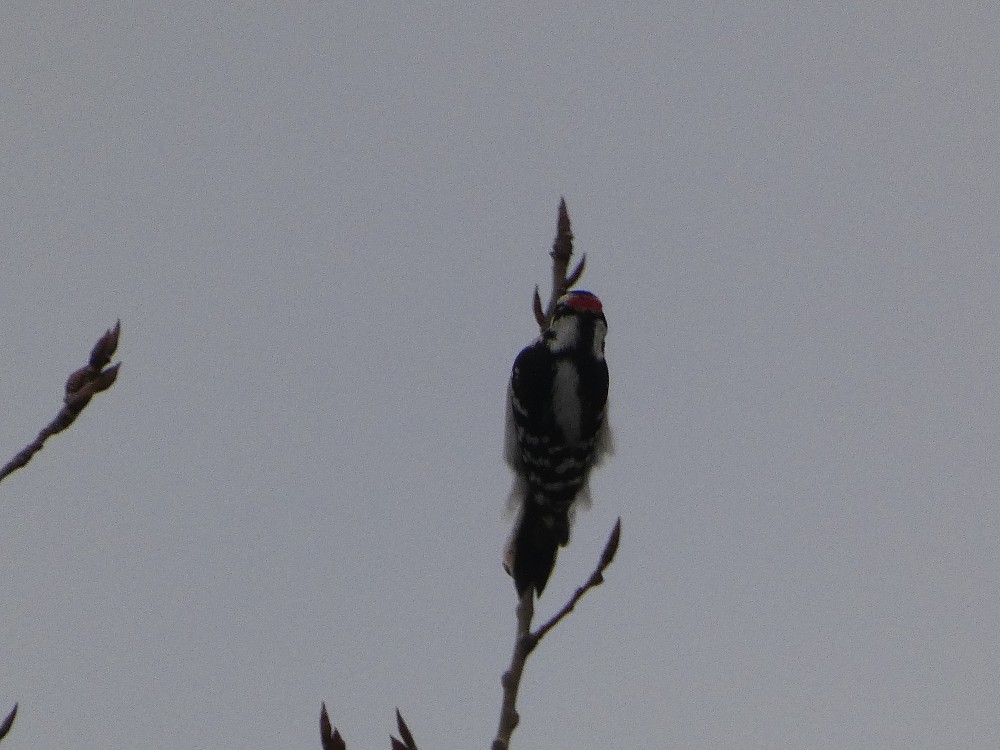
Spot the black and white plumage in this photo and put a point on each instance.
(556, 433)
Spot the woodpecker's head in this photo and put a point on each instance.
(578, 323)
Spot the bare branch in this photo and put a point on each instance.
(511, 680)
(81, 386)
(328, 735)
(596, 579)
(562, 253)
(8, 722)
(526, 641)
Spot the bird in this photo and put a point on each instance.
(556, 433)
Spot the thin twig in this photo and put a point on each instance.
(526, 641)
(81, 386)
(511, 680)
(562, 252)
(596, 579)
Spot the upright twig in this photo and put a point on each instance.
(525, 641)
(562, 252)
(511, 680)
(81, 386)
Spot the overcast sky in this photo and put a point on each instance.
(321, 225)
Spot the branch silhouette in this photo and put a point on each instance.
(331, 739)
(562, 252)
(407, 742)
(81, 386)
(527, 640)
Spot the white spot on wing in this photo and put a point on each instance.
(511, 453)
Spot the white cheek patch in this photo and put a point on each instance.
(564, 332)
(566, 400)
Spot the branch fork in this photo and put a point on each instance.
(527, 640)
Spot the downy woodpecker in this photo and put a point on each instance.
(556, 433)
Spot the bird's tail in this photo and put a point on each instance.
(531, 553)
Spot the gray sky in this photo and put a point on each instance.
(320, 227)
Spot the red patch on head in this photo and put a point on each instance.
(583, 301)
